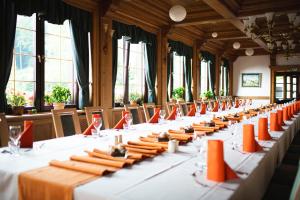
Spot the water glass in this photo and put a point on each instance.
(97, 121)
(14, 137)
(162, 114)
(128, 119)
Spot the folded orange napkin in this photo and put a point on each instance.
(280, 118)
(192, 111)
(99, 161)
(289, 114)
(224, 105)
(285, 114)
(249, 142)
(172, 115)
(217, 169)
(274, 123)
(88, 130)
(263, 133)
(26, 140)
(122, 121)
(203, 108)
(216, 106)
(154, 118)
(237, 103)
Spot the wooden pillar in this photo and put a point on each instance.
(231, 77)
(217, 78)
(195, 71)
(159, 70)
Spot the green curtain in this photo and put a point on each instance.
(8, 20)
(169, 72)
(184, 50)
(114, 66)
(211, 60)
(136, 35)
(226, 66)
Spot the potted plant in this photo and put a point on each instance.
(119, 101)
(60, 95)
(48, 100)
(178, 93)
(207, 95)
(17, 102)
(221, 93)
(134, 98)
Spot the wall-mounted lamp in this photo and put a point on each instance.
(112, 31)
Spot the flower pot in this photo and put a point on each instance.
(58, 106)
(133, 103)
(18, 110)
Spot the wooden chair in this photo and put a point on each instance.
(135, 112)
(169, 106)
(183, 107)
(66, 122)
(89, 111)
(3, 130)
(148, 110)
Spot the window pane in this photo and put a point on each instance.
(288, 87)
(279, 79)
(59, 69)
(22, 75)
(294, 87)
(204, 78)
(288, 79)
(288, 94)
(294, 94)
(178, 62)
(294, 80)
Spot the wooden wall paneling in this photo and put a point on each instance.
(217, 78)
(163, 73)
(195, 71)
(230, 78)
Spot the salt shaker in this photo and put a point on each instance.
(172, 146)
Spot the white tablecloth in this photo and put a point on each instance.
(168, 176)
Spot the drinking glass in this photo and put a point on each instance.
(162, 114)
(201, 149)
(14, 136)
(97, 121)
(128, 119)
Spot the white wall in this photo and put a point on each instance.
(251, 64)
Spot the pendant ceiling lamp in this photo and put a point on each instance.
(236, 45)
(177, 13)
(249, 52)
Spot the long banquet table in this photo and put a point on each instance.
(167, 176)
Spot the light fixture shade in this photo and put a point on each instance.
(177, 13)
(297, 21)
(284, 46)
(214, 34)
(269, 16)
(278, 43)
(236, 45)
(290, 42)
(291, 17)
(249, 52)
(252, 20)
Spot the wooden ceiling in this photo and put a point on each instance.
(207, 16)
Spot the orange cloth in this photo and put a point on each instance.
(26, 140)
(249, 142)
(289, 112)
(217, 169)
(216, 106)
(192, 111)
(237, 103)
(203, 109)
(285, 114)
(122, 121)
(88, 130)
(224, 105)
(263, 133)
(280, 117)
(154, 118)
(50, 183)
(172, 115)
(274, 122)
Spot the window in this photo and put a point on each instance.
(178, 74)
(279, 87)
(42, 56)
(223, 81)
(204, 77)
(286, 86)
(136, 72)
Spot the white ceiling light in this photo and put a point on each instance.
(214, 34)
(249, 52)
(236, 45)
(177, 13)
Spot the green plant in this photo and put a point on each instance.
(178, 93)
(60, 94)
(16, 100)
(48, 99)
(208, 94)
(134, 97)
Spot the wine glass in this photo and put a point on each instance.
(97, 122)
(14, 136)
(199, 144)
(162, 114)
(128, 119)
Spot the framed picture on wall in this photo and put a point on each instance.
(251, 79)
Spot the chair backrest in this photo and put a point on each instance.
(66, 122)
(295, 193)
(135, 112)
(148, 110)
(3, 130)
(169, 106)
(89, 111)
(183, 107)
(198, 103)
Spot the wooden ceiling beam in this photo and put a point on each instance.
(220, 8)
(200, 21)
